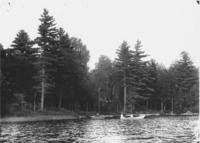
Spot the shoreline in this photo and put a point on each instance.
(52, 117)
(39, 118)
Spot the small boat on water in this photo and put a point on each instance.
(132, 117)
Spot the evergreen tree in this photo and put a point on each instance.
(46, 59)
(151, 80)
(17, 71)
(64, 53)
(185, 78)
(193, 96)
(139, 72)
(9, 82)
(123, 63)
(24, 53)
(22, 43)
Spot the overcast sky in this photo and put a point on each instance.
(165, 27)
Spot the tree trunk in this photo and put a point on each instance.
(113, 90)
(124, 92)
(131, 108)
(74, 106)
(164, 109)
(87, 107)
(147, 104)
(60, 101)
(34, 103)
(172, 105)
(43, 89)
(99, 100)
(161, 107)
(124, 98)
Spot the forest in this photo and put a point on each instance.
(50, 72)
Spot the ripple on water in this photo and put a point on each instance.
(158, 129)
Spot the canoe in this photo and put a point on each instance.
(131, 117)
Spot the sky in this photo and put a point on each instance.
(165, 27)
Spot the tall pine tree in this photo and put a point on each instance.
(139, 74)
(185, 78)
(24, 53)
(46, 59)
(64, 54)
(123, 63)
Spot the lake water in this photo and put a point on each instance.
(154, 129)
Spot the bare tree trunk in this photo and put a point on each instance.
(124, 98)
(43, 89)
(71, 107)
(172, 104)
(147, 104)
(161, 107)
(164, 109)
(60, 101)
(99, 100)
(87, 107)
(113, 90)
(131, 108)
(74, 106)
(34, 103)
(124, 93)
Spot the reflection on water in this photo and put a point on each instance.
(159, 129)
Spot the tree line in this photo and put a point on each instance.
(145, 84)
(51, 72)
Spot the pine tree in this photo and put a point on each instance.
(139, 72)
(8, 66)
(46, 59)
(24, 53)
(185, 78)
(151, 79)
(22, 43)
(139, 76)
(64, 54)
(123, 64)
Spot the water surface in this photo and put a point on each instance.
(158, 129)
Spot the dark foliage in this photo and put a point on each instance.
(51, 72)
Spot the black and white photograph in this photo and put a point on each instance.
(99, 71)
